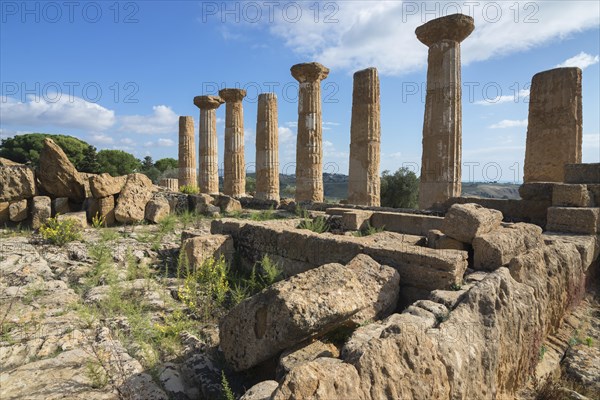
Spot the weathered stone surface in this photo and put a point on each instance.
(309, 144)
(442, 126)
(261, 391)
(227, 204)
(187, 153)
(201, 248)
(465, 221)
(57, 175)
(582, 365)
(365, 140)
(171, 184)
(18, 211)
(495, 249)
(569, 195)
(4, 212)
(437, 240)
(105, 185)
(267, 148)
(91, 208)
(200, 202)
(537, 190)
(554, 131)
(411, 224)
(234, 180)
(60, 205)
(179, 202)
(356, 220)
(573, 220)
(582, 173)
(41, 210)
(208, 179)
(315, 380)
(136, 193)
(79, 218)
(106, 210)
(5, 162)
(303, 353)
(588, 246)
(294, 310)
(157, 209)
(17, 182)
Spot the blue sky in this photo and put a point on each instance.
(118, 74)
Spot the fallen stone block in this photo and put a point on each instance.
(227, 204)
(178, 202)
(157, 209)
(57, 175)
(106, 210)
(4, 212)
(571, 195)
(41, 210)
(261, 391)
(582, 173)
(354, 220)
(437, 240)
(412, 224)
(18, 211)
(303, 353)
(588, 246)
(465, 221)
(17, 182)
(105, 185)
(495, 249)
(136, 193)
(573, 220)
(201, 248)
(79, 218)
(60, 205)
(292, 311)
(200, 202)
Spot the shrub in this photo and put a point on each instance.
(60, 232)
(98, 221)
(318, 225)
(368, 231)
(400, 189)
(189, 189)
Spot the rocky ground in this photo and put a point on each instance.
(107, 317)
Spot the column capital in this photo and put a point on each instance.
(455, 27)
(231, 95)
(309, 72)
(208, 102)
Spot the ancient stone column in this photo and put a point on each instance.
(442, 126)
(309, 143)
(208, 180)
(365, 138)
(171, 184)
(554, 130)
(234, 183)
(187, 152)
(267, 148)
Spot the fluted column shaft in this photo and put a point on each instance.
(365, 140)
(442, 126)
(187, 152)
(234, 183)
(208, 179)
(267, 148)
(309, 143)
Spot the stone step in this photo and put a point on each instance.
(571, 195)
(582, 173)
(574, 219)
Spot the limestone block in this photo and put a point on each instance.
(582, 173)
(261, 391)
(541, 191)
(60, 205)
(105, 185)
(355, 220)
(227, 204)
(79, 218)
(201, 248)
(411, 224)
(18, 211)
(4, 212)
(41, 210)
(17, 182)
(157, 209)
(58, 175)
(571, 195)
(573, 220)
(136, 193)
(465, 221)
(437, 240)
(303, 353)
(106, 209)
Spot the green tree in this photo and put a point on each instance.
(250, 184)
(26, 148)
(147, 163)
(165, 164)
(400, 189)
(90, 161)
(117, 162)
(153, 173)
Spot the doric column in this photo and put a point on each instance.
(208, 180)
(554, 128)
(234, 183)
(187, 152)
(442, 126)
(309, 144)
(365, 140)
(267, 148)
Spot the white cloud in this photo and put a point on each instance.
(515, 97)
(64, 112)
(102, 139)
(581, 60)
(381, 34)
(591, 148)
(127, 142)
(286, 135)
(166, 142)
(162, 121)
(509, 123)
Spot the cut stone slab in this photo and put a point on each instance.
(57, 175)
(136, 193)
(18, 211)
(571, 195)
(292, 311)
(80, 218)
(41, 210)
(573, 220)
(200, 202)
(17, 182)
(227, 204)
(582, 173)
(157, 209)
(200, 248)
(465, 221)
(106, 209)
(587, 245)
(261, 391)
(304, 352)
(437, 240)
(495, 249)
(355, 220)
(411, 224)
(540, 191)
(60, 205)
(105, 185)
